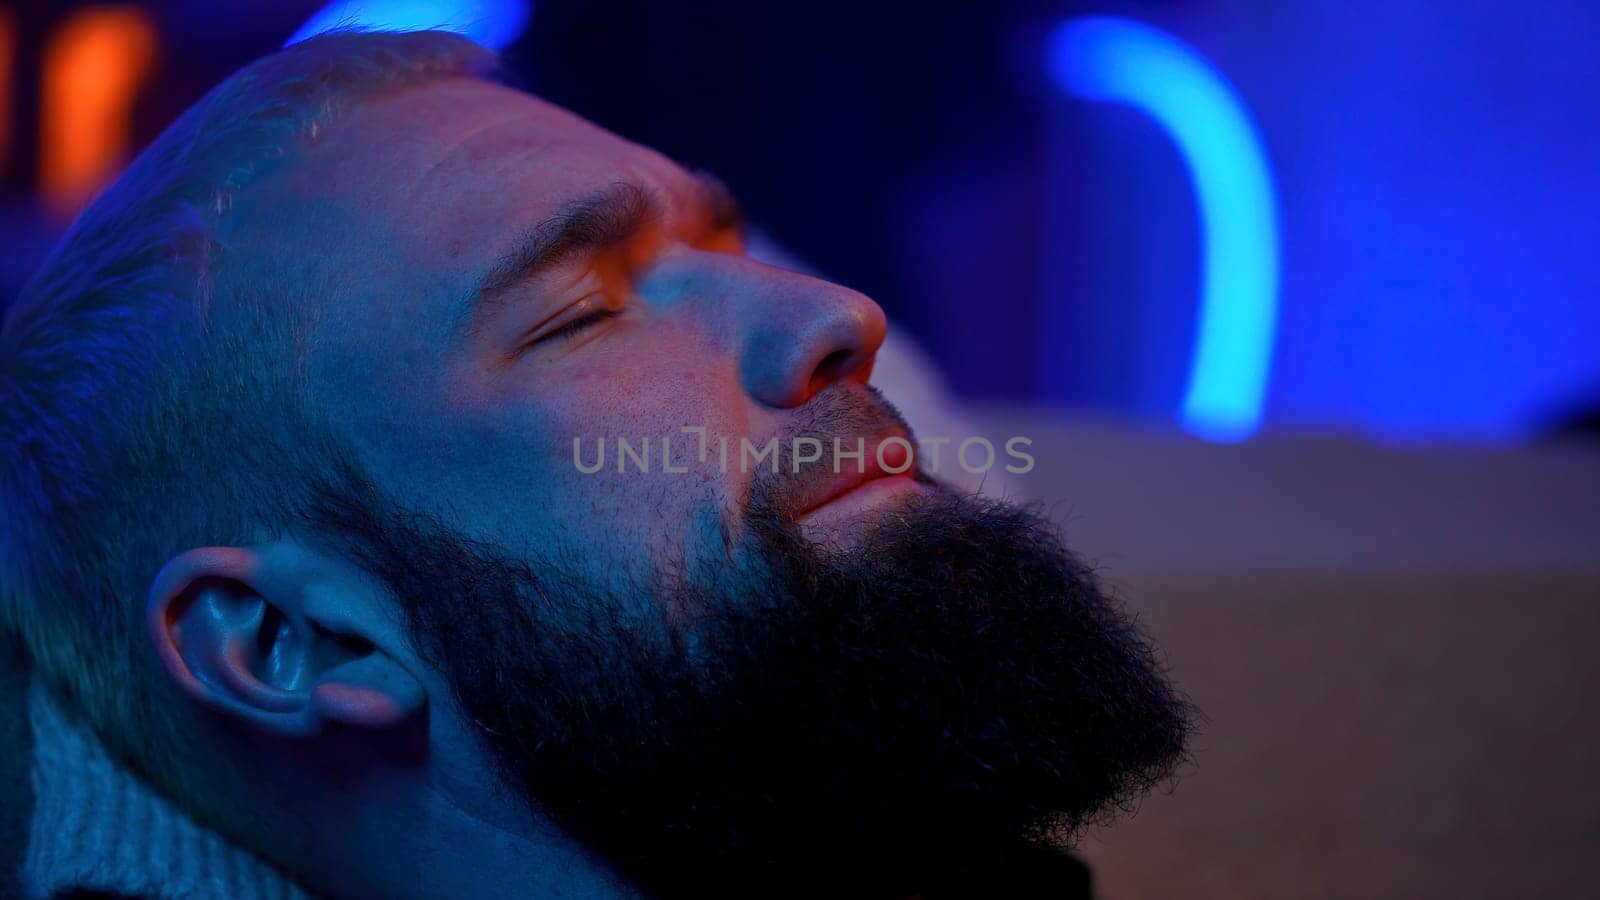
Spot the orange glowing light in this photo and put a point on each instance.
(93, 67)
(8, 57)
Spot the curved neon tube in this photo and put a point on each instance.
(1121, 61)
(492, 23)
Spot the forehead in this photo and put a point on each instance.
(459, 145)
(405, 199)
(461, 142)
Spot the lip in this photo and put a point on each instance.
(863, 496)
(852, 488)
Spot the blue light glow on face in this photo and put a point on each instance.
(1124, 62)
(492, 23)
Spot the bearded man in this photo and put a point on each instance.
(319, 597)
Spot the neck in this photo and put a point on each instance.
(446, 829)
(465, 856)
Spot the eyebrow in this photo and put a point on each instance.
(603, 219)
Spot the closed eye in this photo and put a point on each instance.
(573, 328)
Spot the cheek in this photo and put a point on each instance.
(653, 391)
(646, 397)
(514, 444)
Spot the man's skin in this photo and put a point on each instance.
(392, 221)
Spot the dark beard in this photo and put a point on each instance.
(913, 715)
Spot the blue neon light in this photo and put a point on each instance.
(492, 23)
(1120, 61)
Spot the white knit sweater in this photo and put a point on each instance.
(98, 826)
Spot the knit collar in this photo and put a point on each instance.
(97, 826)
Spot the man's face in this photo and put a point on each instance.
(510, 278)
(725, 675)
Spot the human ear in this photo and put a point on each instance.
(238, 631)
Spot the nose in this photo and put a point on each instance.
(795, 335)
(805, 334)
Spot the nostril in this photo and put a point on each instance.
(829, 370)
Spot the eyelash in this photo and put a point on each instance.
(571, 329)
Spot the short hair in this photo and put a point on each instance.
(150, 378)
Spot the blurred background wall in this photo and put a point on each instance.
(1427, 270)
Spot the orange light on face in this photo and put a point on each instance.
(8, 57)
(93, 67)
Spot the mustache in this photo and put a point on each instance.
(847, 412)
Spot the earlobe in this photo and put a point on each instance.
(370, 692)
(234, 630)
